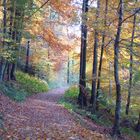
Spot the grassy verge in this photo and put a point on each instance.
(104, 117)
(24, 86)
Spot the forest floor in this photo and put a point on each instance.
(40, 117)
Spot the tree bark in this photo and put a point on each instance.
(68, 70)
(12, 72)
(12, 25)
(131, 67)
(82, 100)
(101, 55)
(16, 37)
(116, 127)
(27, 57)
(110, 81)
(95, 61)
(4, 20)
(4, 35)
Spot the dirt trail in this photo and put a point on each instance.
(40, 117)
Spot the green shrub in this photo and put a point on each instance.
(72, 93)
(31, 84)
(70, 98)
(25, 85)
(13, 91)
(130, 132)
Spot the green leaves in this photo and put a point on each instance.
(31, 84)
(21, 3)
(72, 92)
(13, 91)
(136, 77)
(24, 86)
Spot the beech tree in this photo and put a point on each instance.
(95, 61)
(4, 36)
(131, 66)
(101, 55)
(109, 32)
(13, 20)
(116, 127)
(82, 77)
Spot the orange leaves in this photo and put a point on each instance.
(63, 7)
(49, 29)
(53, 41)
(40, 117)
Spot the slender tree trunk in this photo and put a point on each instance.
(116, 127)
(11, 32)
(72, 72)
(1, 65)
(68, 71)
(27, 57)
(82, 77)
(4, 21)
(17, 35)
(110, 81)
(101, 56)
(12, 72)
(20, 36)
(8, 66)
(131, 67)
(95, 61)
(4, 70)
(8, 72)
(4, 36)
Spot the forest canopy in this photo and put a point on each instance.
(91, 46)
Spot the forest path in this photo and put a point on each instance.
(40, 117)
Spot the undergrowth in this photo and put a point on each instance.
(13, 91)
(25, 85)
(31, 84)
(103, 117)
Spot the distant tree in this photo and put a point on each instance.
(68, 70)
(27, 57)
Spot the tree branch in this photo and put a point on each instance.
(138, 10)
(38, 9)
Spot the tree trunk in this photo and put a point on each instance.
(4, 21)
(68, 70)
(131, 67)
(82, 100)
(101, 56)
(27, 57)
(16, 35)
(116, 127)
(110, 81)
(12, 27)
(4, 70)
(95, 57)
(8, 72)
(11, 32)
(4, 36)
(12, 72)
